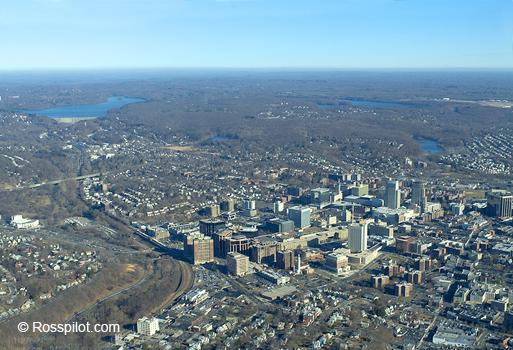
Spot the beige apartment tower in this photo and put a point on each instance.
(237, 264)
(199, 249)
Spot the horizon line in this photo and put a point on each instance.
(249, 68)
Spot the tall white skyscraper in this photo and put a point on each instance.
(393, 195)
(357, 238)
(278, 207)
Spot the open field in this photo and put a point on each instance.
(177, 148)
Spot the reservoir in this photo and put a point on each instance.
(377, 104)
(357, 102)
(429, 146)
(97, 110)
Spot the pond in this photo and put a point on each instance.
(429, 146)
(358, 102)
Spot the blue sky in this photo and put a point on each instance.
(256, 33)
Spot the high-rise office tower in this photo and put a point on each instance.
(336, 262)
(249, 204)
(300, 216)
(210, 226)
(285, 260)
(278, 207)
(499, 203)
(418, 195)
(320, 197)
(228, 205)
(249, 208)
(392, 195)
(357, 238)
(214, 211)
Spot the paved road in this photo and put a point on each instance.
(428, 329)
(53, 182)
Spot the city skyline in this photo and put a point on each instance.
(256, 174)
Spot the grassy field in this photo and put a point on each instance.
(178, 148)
(477, 194)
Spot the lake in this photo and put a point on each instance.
(97, 110)
(358, 102)
(327, 106)
(429, 146)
